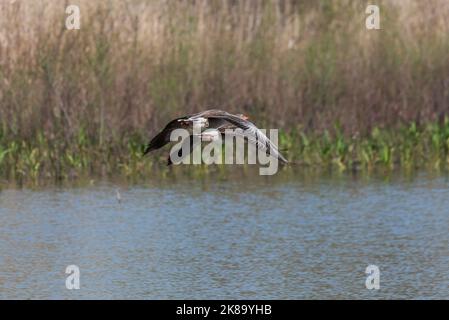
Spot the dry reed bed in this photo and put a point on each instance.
(297, 65)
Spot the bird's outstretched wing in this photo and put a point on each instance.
(188, 145)
(163, 137)
(251, 132)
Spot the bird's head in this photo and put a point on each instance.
(243, 116)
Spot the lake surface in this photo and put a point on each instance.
(248, 237)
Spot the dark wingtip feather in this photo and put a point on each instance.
(147, 150)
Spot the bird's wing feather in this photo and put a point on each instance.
(253, 134)
(163, 137)
(259, 145)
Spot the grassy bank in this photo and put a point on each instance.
(408, 147)
(85, 100)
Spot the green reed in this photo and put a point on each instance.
(410, 146)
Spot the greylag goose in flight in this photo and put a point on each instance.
(219, 121)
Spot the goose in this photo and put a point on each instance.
(216, 121)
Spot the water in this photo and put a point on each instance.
(242, 238)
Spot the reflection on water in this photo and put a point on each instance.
(283, 238)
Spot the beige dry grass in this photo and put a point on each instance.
(134, 64)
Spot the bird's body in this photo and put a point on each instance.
(210, 135)
(217, 122)
(199, 122)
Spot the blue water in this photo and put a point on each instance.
(244, 238)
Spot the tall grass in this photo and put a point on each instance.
(89, 96)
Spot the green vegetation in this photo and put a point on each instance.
(408, 147)
(82, 102)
